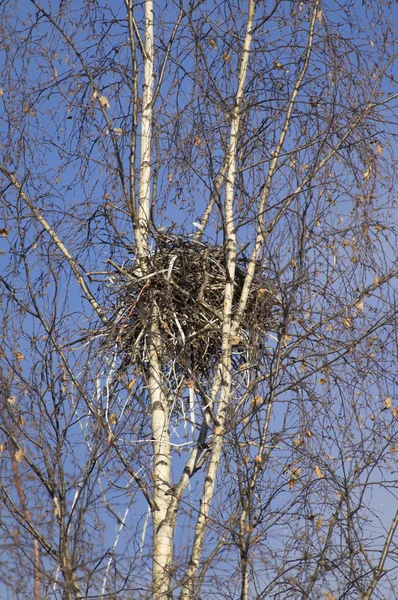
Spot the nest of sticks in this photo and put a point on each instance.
(183, 290)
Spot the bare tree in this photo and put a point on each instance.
(198, 364)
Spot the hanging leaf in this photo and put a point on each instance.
(388, 402)
(319, 473)
(104, 102)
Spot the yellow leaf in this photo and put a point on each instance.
(278, 65)
(372, 417)
(213, 44)
(322, 381)
(379, 149)
(19, 356)
(294, 263)
(308, 433)
(319, 473)
(318, 523)
(95, 93)
(394, 412)
(131, 384)
(12, 399)
(303, 367)
(218, 430)
(226, 56)
(376, 281)
(347, 322)
(388, 402)
(367, 174)
(170, 177)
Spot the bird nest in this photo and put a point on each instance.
(180, 301)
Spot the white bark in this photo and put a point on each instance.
(144, 191)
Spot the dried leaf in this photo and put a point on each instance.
(277, 64)
(19, 356)
(226, 56)
(213, 44)
(319, 15)
(257, 401)
(394, 412)
(113, 419)
(1, 92)
(218, 430)
(379, 149)
(258, 459)
(319, 473)
(388, 402)
(294, 263)
(322, 381)
(104, 102)
(19, 455)
(131, 384)
(3, 232)
(347, 322)
(12, 399)
(367, 174)
(319, 523)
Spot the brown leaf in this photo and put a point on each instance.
(278, 65)
(131, 384)
(319, 473)
(394, 412)
(113, 419)
(19, 356)
(318, 523)
(213, 44)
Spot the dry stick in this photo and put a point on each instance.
(72, 262)
(224, 370)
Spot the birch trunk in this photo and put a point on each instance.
(188, 590)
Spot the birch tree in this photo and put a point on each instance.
(199, 264)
